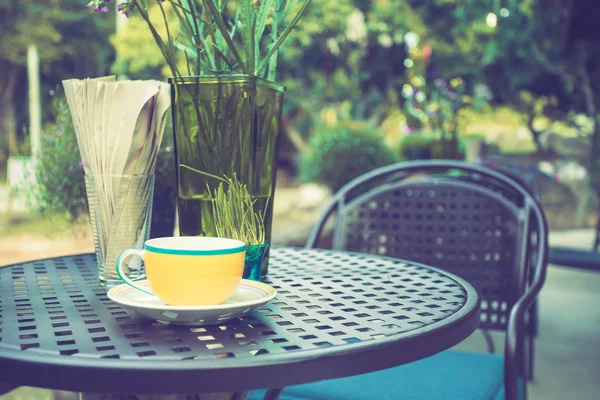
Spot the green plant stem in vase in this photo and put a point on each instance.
(226, 107)
(235, 217)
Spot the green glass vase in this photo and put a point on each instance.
(225, 126)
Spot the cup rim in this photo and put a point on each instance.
(205, 245)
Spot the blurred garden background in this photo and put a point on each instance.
(369, 82)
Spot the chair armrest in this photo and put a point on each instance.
(316, 232)
(516, 319)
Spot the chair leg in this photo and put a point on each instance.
(273, 394)
(597, 237)
(530, 356)
(489, 340)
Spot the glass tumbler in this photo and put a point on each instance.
(120, 208)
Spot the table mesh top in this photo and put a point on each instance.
(325, 299)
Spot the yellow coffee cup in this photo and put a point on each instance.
(190, 270)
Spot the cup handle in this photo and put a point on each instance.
(122, 256)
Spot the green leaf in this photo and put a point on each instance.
(221, 44)
(224, 4)
(223, 57)
(261, 19)
(190, 52)
(283, 36)
(216, 15)
(209, 54)
(193, 134)
(247, 33)
(289, 6)
(273, 62)
(189, 23)
(184, 26)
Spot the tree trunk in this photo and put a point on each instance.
(535, 134)
(8, 120)
(294, 136)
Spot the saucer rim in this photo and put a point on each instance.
(271, 293)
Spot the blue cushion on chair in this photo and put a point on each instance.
(450, 375)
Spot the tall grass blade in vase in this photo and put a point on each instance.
(235, 217)
(226, 105)
(233, 210)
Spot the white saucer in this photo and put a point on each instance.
(248, 297)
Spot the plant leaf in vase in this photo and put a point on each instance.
(233, 210)
(235, 218)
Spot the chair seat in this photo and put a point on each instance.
(450, 375)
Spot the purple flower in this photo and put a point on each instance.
(51, 92)
(48, 137)
(98, 5)
(80, 163)
(126, 7)
(441, 83)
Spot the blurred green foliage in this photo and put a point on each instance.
(58, 168)
(337, 155)
(350, 60)
(70, 42)
(61, 29)
(437, 106)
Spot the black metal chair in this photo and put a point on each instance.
(467, 219)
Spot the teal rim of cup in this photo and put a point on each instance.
(180, 252)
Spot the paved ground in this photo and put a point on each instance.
(567, 349)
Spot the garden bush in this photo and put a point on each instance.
(337, 155)
(415, 147)
(58, 168)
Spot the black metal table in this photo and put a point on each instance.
(336, 314)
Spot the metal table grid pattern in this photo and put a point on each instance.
(334, 300)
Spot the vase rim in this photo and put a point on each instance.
(229, 78)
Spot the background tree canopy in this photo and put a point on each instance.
(349, 59)
(70, 41)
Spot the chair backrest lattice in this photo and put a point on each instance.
(470, 220)
(460, 228)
